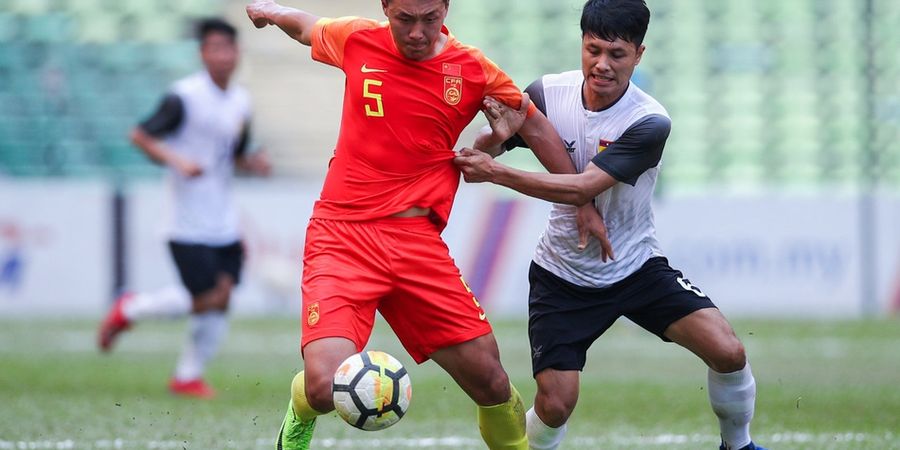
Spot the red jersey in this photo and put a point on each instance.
(401, 120)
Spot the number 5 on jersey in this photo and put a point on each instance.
(378, 111)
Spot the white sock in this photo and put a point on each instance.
(167, 303)
(541, 436)
(207, 330)
(733, 399)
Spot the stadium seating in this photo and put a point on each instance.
(761, 93)
(75, 75)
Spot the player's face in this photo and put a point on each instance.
(416, 26)
(220, 55)
(607, 68)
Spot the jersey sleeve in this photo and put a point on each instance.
(535, 90)
(330, 35)
(638, 149)
(500, 86)
(166, 119)
(243, 142)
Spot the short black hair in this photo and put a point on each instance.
(446, 2)
(616, 19)
(215, 25)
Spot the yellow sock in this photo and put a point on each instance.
(301, 407)
(503, 426)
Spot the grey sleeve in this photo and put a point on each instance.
(535, 90)
(166, 119)
(638, 149)
(243, 143)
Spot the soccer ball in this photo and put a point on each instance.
(371, 390)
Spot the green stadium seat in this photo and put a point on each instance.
(139, 8)
(30, 7)
(125, 57)
(10, 27)
(177, 59)
(19, 158)
(160, 28)
(194, 8)
(97, 27)
(49, 28)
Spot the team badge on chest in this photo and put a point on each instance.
(453, 83)
(453, 90)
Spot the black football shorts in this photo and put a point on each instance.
(564, 319)
(200, 265)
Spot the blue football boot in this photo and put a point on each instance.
(750, 446)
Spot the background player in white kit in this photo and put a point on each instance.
(615, 134)
(201, 132)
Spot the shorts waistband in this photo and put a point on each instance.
(417, 222)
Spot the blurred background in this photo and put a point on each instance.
(779, 194)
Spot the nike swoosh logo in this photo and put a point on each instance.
(368, 70)
(482, 316)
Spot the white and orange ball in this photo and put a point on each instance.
(371, 390)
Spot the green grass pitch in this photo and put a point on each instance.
(833, 385)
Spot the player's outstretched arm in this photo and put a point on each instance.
(572, 189)
(295, 23)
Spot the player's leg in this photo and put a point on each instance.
(556, 397)
(311, 391)
(210, 274)
(435, 315)
(344, 276)
(675, 310)
(197, 267)
(731, 385)
(475, 366)
(563, 321)
(130, 308)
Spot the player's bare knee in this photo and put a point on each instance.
(554, 410)
(318, 390)
(220, 301)
(221, 295)
(495, 389)
(730, 358)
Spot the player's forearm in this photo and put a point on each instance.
(546, 145)
(295, 23)
(152, 147)
(488, 143)
(557, 188)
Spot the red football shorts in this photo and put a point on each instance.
(398, 266)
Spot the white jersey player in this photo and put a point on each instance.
(615, 134)
(200, 132)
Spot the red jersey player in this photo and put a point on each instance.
(374, 242)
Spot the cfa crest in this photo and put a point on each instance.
(453, 90)
(312, 314)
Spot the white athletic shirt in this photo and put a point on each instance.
(209, 128)
(625, 140)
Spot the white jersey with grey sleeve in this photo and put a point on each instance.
(209, 126)
(626, 141)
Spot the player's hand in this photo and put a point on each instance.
(258, 10)
(505, 121)
(475, 165)
(590, 223)
(258, 163)
(187, 168)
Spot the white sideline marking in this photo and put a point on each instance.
(455, 442)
